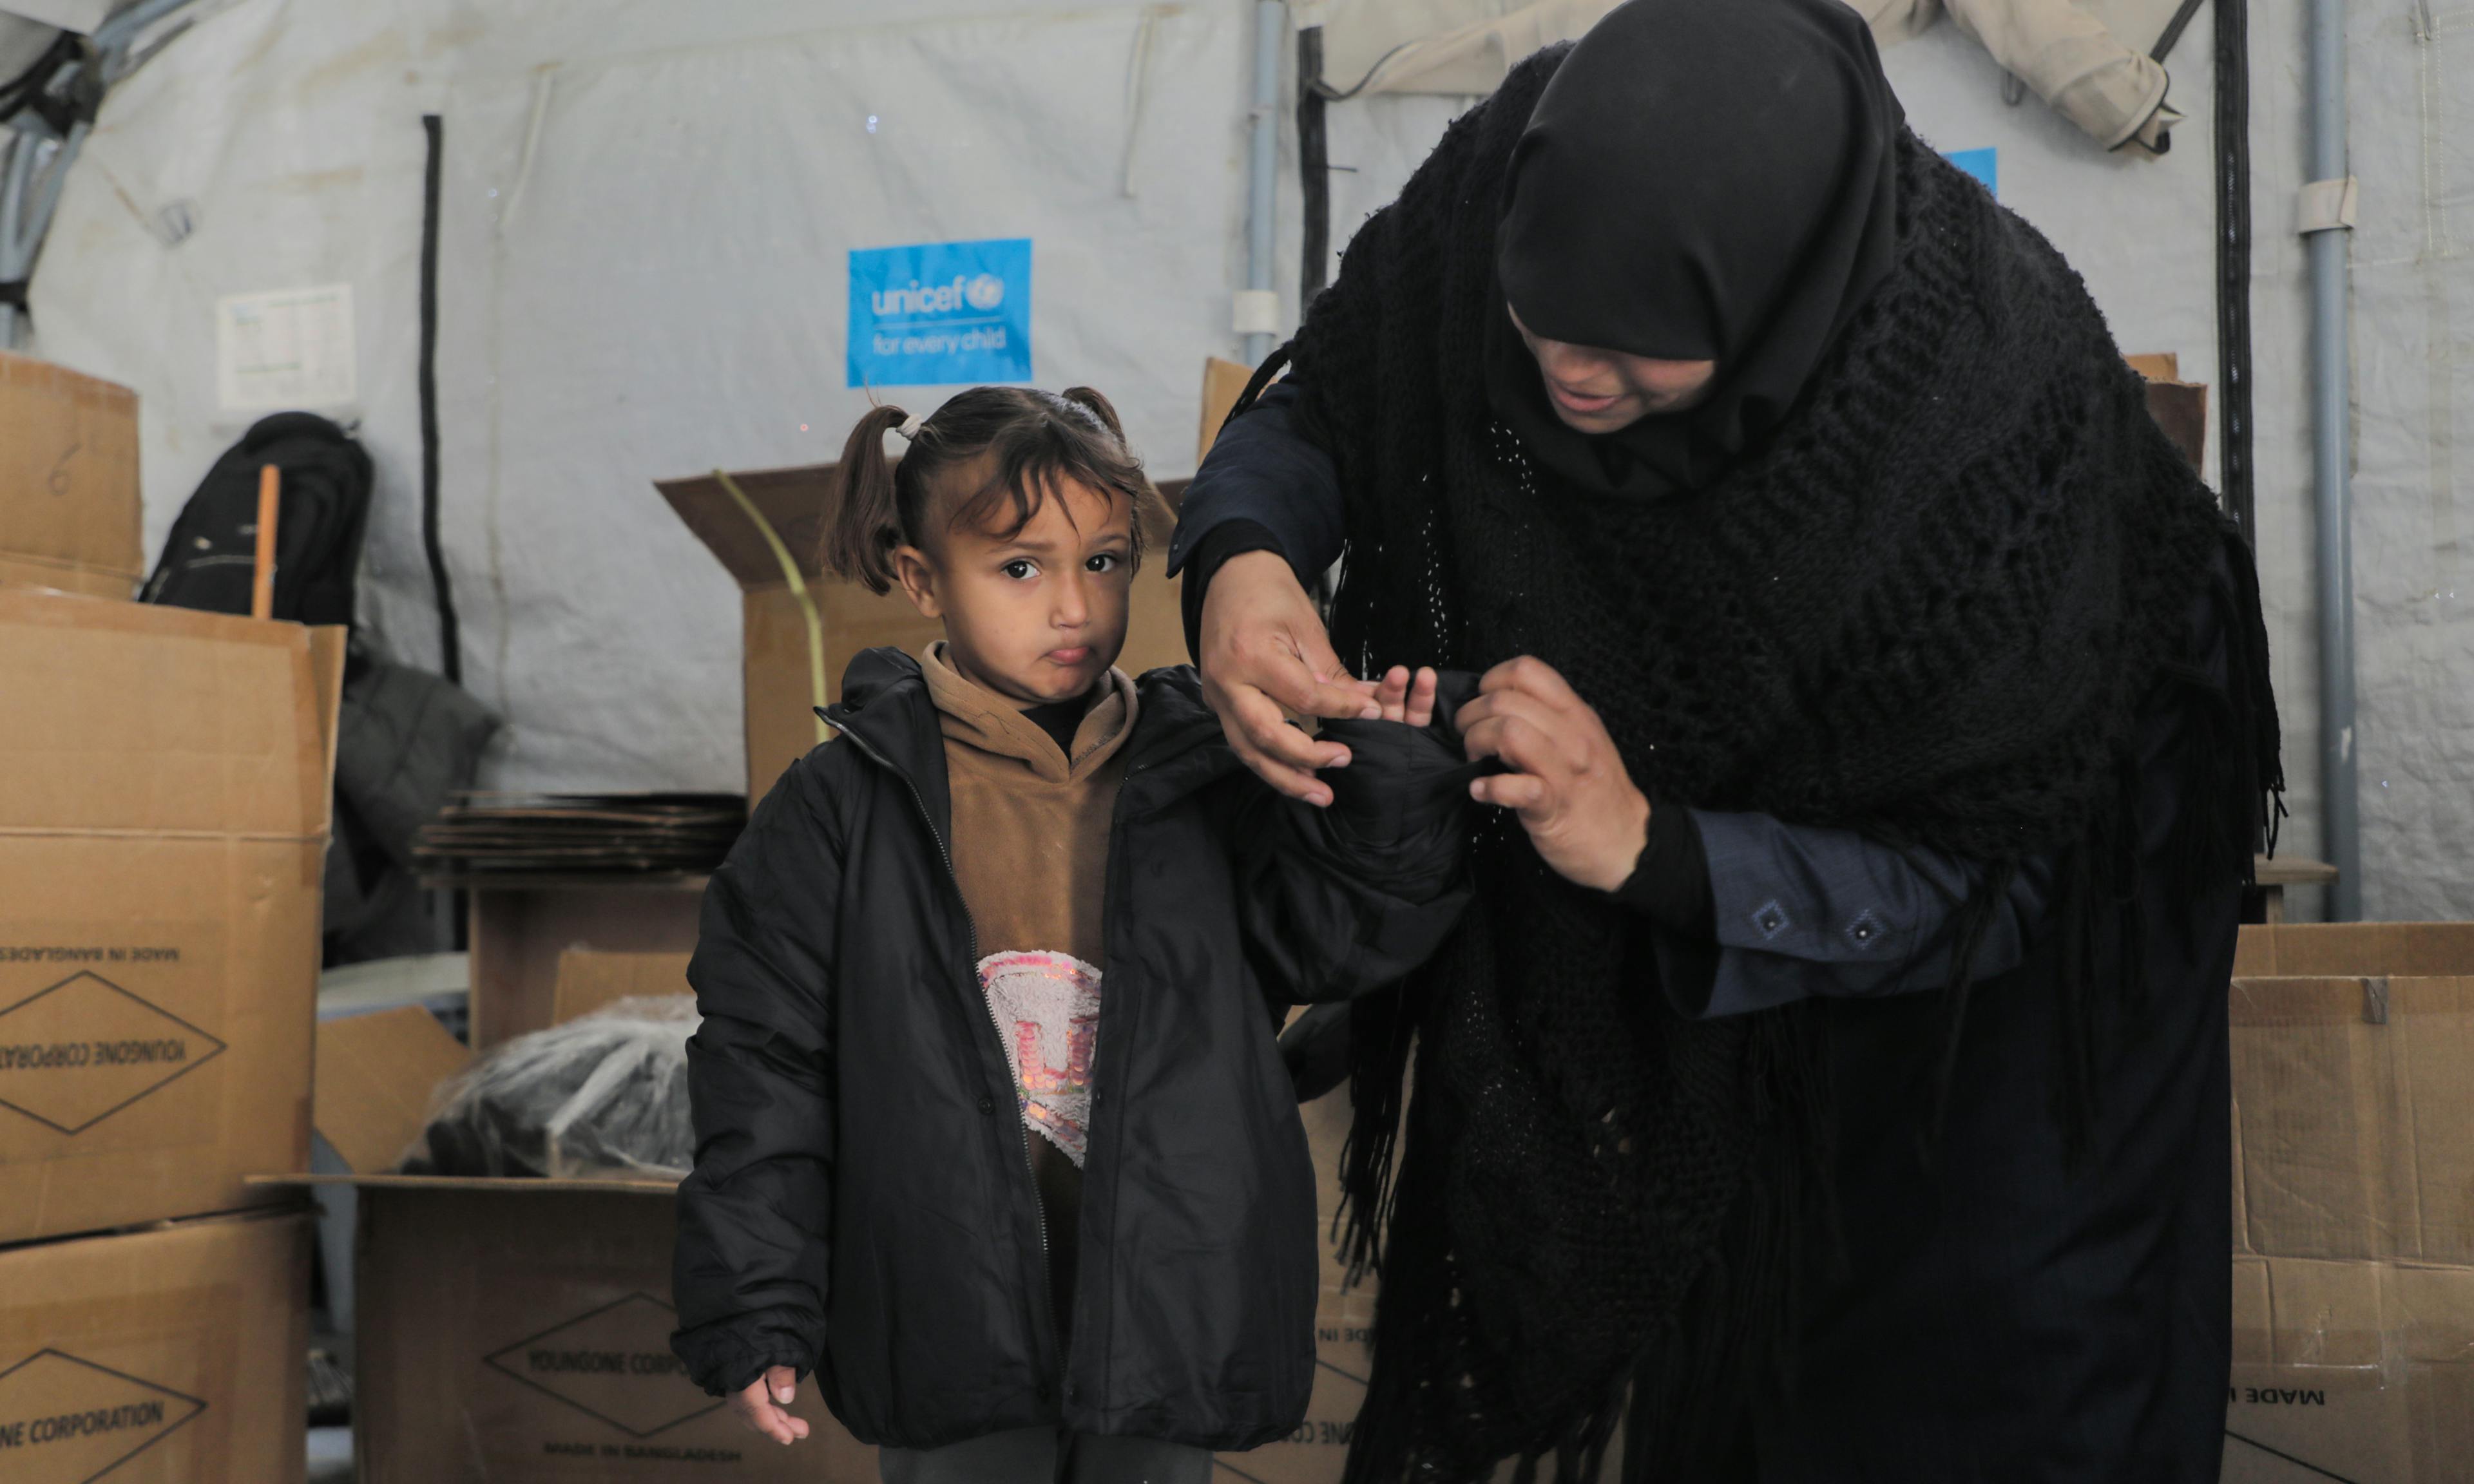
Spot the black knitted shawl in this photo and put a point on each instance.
(1928, 608)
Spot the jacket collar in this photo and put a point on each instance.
(1177, 745)
(996, 726)
(885, 714)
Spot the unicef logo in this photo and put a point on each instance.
(982, 292)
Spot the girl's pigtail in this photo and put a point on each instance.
(865, 522)
(1100, 407)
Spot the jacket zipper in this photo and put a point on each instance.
(953, 878)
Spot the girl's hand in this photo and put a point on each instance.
(1568, 784)
(1404, 699)
(762, 1405)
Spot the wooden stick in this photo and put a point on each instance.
(261, 595)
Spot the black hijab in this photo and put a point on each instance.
(1704, 179)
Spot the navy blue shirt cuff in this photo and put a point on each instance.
(1229, 539)
(1670, 886)
(1670, 882)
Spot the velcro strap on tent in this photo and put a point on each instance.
(2325, 206)
(799, 590)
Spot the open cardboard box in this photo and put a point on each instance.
(164, 786)
(589, 979)
(2352, 1074)
(521, 935)
(800, 637)
(68, 481)
(518, 1330)
(514, 1330)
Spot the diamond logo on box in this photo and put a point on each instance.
(612, 1364)
(66, 1420)
(940, 314)
(75, 1054)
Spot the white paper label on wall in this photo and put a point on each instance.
(286, 349)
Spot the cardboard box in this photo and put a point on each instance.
(2353, 1066)
(164, 782)
(375, 1077)
(785, 675)
(517, 1329)
(513, 1330)
(518, 934)
(379, 1074)
(58, 577)
(68, 481)
(2179, 407)
(1344, 1335)
(170, 1355)
(1223, 383)
(589, 979)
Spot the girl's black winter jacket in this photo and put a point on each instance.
(862, 1208)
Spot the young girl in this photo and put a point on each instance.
(994, 1137)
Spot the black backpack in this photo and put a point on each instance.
(209, 560)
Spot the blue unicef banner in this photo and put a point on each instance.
(940, 314)
(1983, 164)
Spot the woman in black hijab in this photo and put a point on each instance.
(1831, 1080)
(1640, 216)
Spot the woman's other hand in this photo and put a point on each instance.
(1265, 658)
(1567, 783)
(762, 1405)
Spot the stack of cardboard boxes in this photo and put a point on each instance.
(164, 779)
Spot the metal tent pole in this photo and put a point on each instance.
(1262, 180)
(2327, 214)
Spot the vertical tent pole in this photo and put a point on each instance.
(2331, 408)
(1262, 176)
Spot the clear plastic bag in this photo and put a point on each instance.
(604, 1095)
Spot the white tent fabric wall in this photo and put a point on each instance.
(2413, 134)
(657, 290)
(667, 295)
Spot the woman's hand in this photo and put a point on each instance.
(1265, 658)
(762, 1405)
(1568, 784)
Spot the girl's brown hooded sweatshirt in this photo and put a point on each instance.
(1030, 843)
